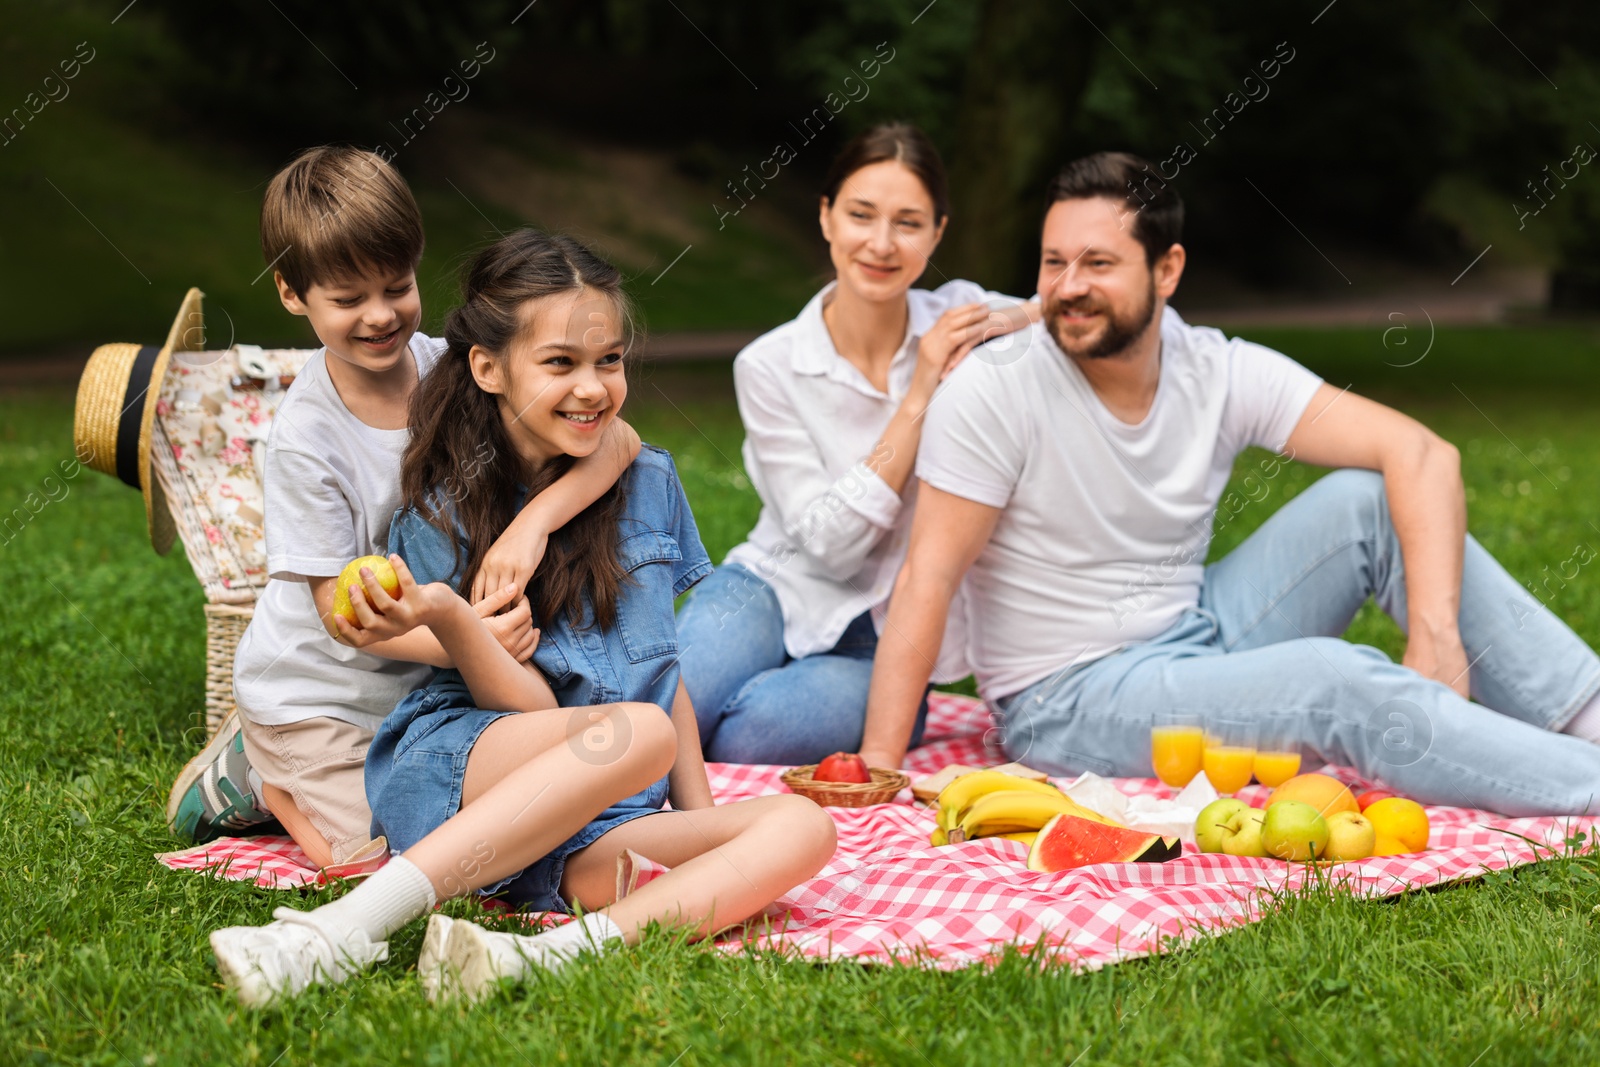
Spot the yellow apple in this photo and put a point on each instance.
(1351, 836)
(1246, 838)
(351, 575)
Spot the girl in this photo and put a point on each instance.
(481, 782)
(778, 643)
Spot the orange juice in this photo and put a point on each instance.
(1229, 766)
(1176, 753)
(1275, 768)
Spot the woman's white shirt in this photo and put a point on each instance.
(832, 534)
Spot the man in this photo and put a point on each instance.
(1071, 476)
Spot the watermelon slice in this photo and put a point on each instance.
(1068, 841)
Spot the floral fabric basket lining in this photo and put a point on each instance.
(209, 441)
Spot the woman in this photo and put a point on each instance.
(777, 644)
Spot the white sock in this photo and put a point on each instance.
(386, 901)
(1586, 724)
(595, 932)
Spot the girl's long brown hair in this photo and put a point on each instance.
(460, 453)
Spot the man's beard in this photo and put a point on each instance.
(1120, 330)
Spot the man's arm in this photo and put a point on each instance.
(947, 533)
(1422, 478)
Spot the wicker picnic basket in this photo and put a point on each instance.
(206, 418)
(882, 789)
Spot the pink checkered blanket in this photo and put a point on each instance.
(888, 895)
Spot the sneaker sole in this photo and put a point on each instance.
(240, 973)
(469, 960)
(433, 966)
(197, 766)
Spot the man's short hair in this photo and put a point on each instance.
(1156, 207)
(336, 212)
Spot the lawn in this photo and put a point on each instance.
(103, 956)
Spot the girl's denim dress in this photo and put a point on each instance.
(418, 757)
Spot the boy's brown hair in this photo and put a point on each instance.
(336, 212)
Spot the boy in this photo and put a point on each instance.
(343, 236)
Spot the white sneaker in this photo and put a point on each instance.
(282, 958)
(432, 966)
(475, 960)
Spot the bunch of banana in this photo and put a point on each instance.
(995, 804)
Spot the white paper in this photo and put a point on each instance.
(1156, 815)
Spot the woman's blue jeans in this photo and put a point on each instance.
(754, 702)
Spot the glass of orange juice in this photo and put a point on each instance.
(1177, 744)
(1277, 751)
(1230, 754)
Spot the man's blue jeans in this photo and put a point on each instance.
(1265, 638)
(756, 704)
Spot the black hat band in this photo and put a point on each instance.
(132, 418)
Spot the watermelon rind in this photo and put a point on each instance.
(1067, 842)
(1161, 850)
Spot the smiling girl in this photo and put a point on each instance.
(778, 643)
(531, 781)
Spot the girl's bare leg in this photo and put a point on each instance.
(533, 780)
(727, 863)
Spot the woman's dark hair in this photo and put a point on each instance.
(901, 142)
(461, 454)
(1156, 207)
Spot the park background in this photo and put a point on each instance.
(1405, 204)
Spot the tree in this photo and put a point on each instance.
(1020, 93)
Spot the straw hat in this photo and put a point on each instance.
(117, 407)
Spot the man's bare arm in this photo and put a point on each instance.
(947, 534)
(1422, 478)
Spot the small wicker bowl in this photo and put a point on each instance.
(882, 789)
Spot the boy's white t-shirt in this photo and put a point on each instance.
(331, 484)
(1102, 540)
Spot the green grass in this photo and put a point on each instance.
(103, 956)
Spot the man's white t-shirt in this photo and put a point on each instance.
(332, 484)
(1102, 540)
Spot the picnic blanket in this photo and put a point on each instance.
(889, 896)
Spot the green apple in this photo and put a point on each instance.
(1294, 830)
(1351, 836)
(1210, 829)
(1246, 838)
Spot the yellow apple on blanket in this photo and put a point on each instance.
(1247, 839)
(1230, 825)
(1351, 836)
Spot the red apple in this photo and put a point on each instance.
(1372, 796)
(842, 767)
